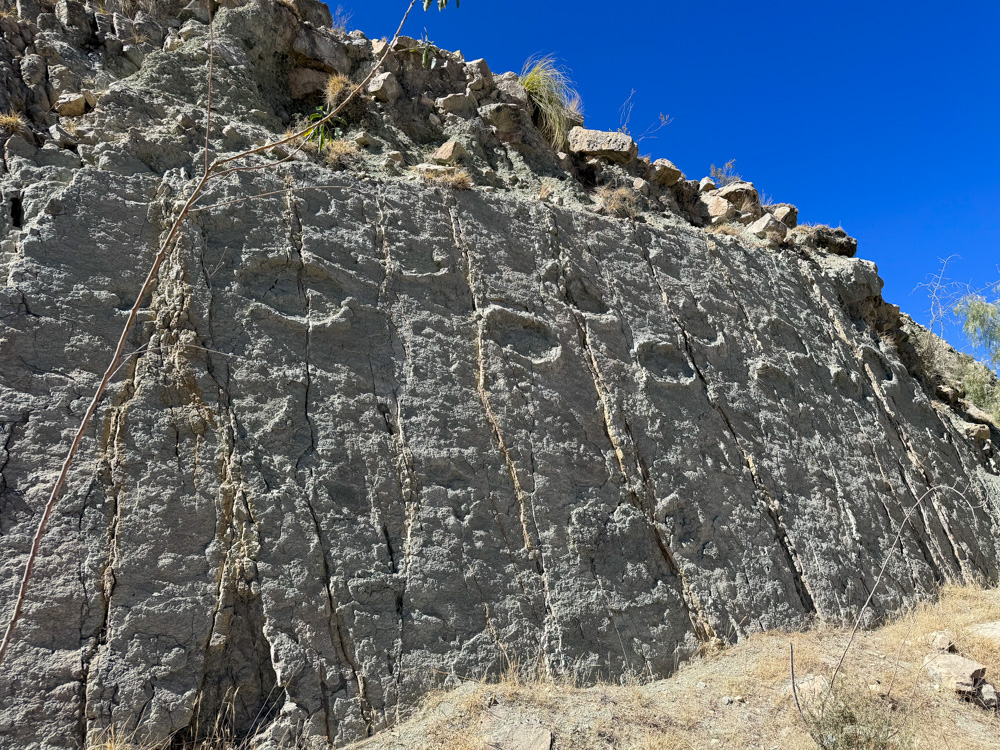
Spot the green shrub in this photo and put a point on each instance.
(556, 102)
(981, 323)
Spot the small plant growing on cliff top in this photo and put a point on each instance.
(554, 97)
(341, 18)
(726, 174)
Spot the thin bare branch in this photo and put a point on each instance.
(795, 690)
(878, 580)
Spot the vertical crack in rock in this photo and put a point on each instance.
(689, 599)
(534, 552)
(110, 469)
(834, 313)
(7, 429)
(769, 504)
(409, 481)
(335, 624)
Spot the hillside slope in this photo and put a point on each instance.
(377, 431)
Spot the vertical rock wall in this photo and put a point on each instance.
(375, 433)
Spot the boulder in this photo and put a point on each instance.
(196, 10)
(769, 228)
(706, 184)
(978, 432)
(33, 69)
(786, 213)
(71, 105)
(462, 105)
(320, 49)
(63, 80)
(385, 88)
(716, 208)
(827, 239)
(743, 195)
(313, 11)
(450, 153)
(988, 630)
(616, 147)
(479, 77)
(942, 640)
(810, 688)
(835, 241)
(954, 672)
(506, 119)
(664, 173)
(28, 9)
(510, 86)
(73, 17)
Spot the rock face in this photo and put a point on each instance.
(374, 432)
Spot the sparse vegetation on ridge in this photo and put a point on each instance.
(556, 101)
(341, 18)
(726, 174)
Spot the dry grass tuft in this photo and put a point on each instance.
(13, 122)
(453, 179)
(557, 103)
(340, 153)
(621, 202)
(336, 86)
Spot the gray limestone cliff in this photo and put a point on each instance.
(375, 433)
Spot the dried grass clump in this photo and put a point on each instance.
(557, 103)
(621, 201)
(340, 153)
(336, 86)
(12, 122)
(455, 180)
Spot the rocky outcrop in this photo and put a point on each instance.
(374, 432)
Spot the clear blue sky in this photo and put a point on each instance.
(880, 116)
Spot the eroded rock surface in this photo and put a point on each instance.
(375, 432)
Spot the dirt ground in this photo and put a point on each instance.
(739, 697)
